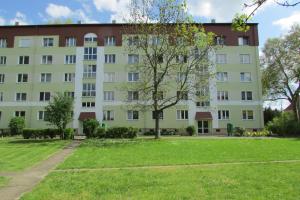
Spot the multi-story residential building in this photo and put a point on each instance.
(89, 62)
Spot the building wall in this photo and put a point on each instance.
(58, 68)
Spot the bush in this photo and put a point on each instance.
(238, 131)
(39, 133)
(100, 133)
(121, 132)
(191, 130)
(284, 125)
(263, 133)
(68, 133)
(17, 125)
(90, 127)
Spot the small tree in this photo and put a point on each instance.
(59, 112)
(90, 127)
(16, 125)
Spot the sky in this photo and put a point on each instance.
(274, 20)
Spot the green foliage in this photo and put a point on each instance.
(100, 133)
(238, 131)
(68, 133)
(16, 125)
(191, 130)
(40, 133)
(90, 127)
(284, 125)
(59, 111)
(270, 114)
(121, 132)
(239, 23)
(263, 133)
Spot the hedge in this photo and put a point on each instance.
(40, 133)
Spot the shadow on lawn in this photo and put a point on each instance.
(114, 142)
(32, 141)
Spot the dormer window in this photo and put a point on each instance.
(90, 37)
(48, 42)
(3, 43)
(243, 41)
(219, 40)
(70, 42)
(110, 41)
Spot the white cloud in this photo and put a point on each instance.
(20, 18)
(119, 8)
(2, 21)
(57, 11)
(287, 22)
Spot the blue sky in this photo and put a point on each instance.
(273, 20)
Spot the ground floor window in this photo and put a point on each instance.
(223, 114)
(20, 113)
(132, 115)
(248, 114)
(161, 115)
(108, 115)
(182, 114)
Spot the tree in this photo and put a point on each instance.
(174, 53)
(59, 112)
(270, 114)
(240, 21)
(281, 69)
(16, 125)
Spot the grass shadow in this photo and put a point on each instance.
(114, 142)
(32, 141)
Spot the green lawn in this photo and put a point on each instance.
(18, 154)
(231, 181)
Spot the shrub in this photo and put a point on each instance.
(39, 133)
(90, 127)
(284, 125)
(238, 131)
(263, 133)
(51, 132)
(121, 132)
(191, 130)
(17, 125)
(100, 133)
(68, 133)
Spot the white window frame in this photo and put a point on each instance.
(22, 77)
(221, 58)
(47, 60)
(246, 112)
(46, 78)
(133, 40)
(182, 114)
(245, 95)
(89, 71)
(90, 53)
(21, 60)
(108, 115)
(133, 96)
(21, 96)
(70, 59)
(133, 76)
(223, 114)
(109, 77)
(133, 59)
(108, 95)
(25, 43)
(90, 38)
(88, 90)
(131, 115)
(3, 43)
(2, 78)
(45, 94)
(19, 113)
(222, 76)
(161, 115)
(88, 104)
(70, 42)
(222, 95)
(243, 41)
(245, 77)
(110, 58)
(41, 115)
(48, 42)
(1, 97)
(245, 59)
(69, 77)
(2, 60)
(203, 104)
(110, 41)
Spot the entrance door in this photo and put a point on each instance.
(203, 127)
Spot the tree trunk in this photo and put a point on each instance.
(157, 131)
(296, 109)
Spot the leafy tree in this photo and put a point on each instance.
(59, 112)
(239, 23)
(16, 125)
(174, 52)
(90, 127)
(270, 114)
(281, 69)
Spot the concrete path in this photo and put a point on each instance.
(26, 180)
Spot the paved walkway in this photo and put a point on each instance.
(24, 181)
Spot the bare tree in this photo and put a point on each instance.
(169, 51)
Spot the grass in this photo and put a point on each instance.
(98, 154)
(18, 154)
(231, 181)
(3, 181)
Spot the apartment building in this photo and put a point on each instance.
(89, 62)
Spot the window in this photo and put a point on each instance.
(90, 53)
(89, 71)
(24, 60)
(181, 77)
(108, 115)
(203, 104)
(246, 95)
(1, 96)
(42, 115)
(245, 77)
(2, 78)
(110, 41)
(223, 114)
(109, 96)
(21, 96)
(24, 43)
(45, 96)
(222, 95)
(88, 104)
(219, 40)
(19, 113)
(48, 42)
(222, 76)
(90, 37)
(132, 115)
(245, 58)
(109, 77)
(183, 95)
(0, 115)
(155, 40)
(181, 59)
(182, 114)
(133, 58)
(133, 40)
(160, 115)
(203, 91)
(221, 58)
(70, 59)
(69, 77)
(203, 70)
(69, 94)
(133, 76)
(160, 95)
(2, 60)
(70, 42)
(47, 59)
(46, 77)
(3, 43)
(247, 114)
(89, 90)
(133, 95)
(22, 78)
(243, 41)
(110, 58)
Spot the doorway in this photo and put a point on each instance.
(203, 127)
